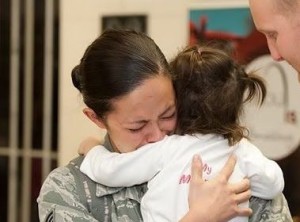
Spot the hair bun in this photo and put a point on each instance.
(76, 77)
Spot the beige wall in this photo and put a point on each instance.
(80, 24)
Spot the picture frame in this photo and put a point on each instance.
(132, 21)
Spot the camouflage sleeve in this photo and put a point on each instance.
(270, 210)
(59, 201)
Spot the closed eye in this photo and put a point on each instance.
(169, 116)
(136, 129)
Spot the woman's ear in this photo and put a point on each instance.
(94, 118)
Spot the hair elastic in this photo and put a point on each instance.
(199, 51)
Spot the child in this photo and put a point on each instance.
(211, 90)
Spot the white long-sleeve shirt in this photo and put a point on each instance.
(166, 166)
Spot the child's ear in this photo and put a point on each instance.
(94, 118)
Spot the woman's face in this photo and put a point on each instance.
(143, 116)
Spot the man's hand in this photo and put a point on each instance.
(216, 200)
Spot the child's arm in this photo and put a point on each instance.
(126, 169)
(87, 144)
(266, 177)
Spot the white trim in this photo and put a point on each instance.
(28, 102)
(5, 151)
(194, 4)
(48, 89)
(14, 110)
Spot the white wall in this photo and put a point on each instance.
(80, 24)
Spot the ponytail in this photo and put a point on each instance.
(256, 88)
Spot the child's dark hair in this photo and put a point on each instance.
(211, 89)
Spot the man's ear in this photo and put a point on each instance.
(94, 118)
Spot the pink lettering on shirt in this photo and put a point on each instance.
(206, 169)
(185, 178)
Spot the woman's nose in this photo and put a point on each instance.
(155, 134)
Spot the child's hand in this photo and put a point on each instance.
(88, 144)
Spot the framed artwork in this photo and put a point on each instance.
(135, 22)
(232, 26)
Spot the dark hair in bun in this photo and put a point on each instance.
(114, 65)
(76, 77)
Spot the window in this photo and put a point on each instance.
(29, 103)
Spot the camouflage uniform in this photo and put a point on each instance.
(275, 210)
(68, 195)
